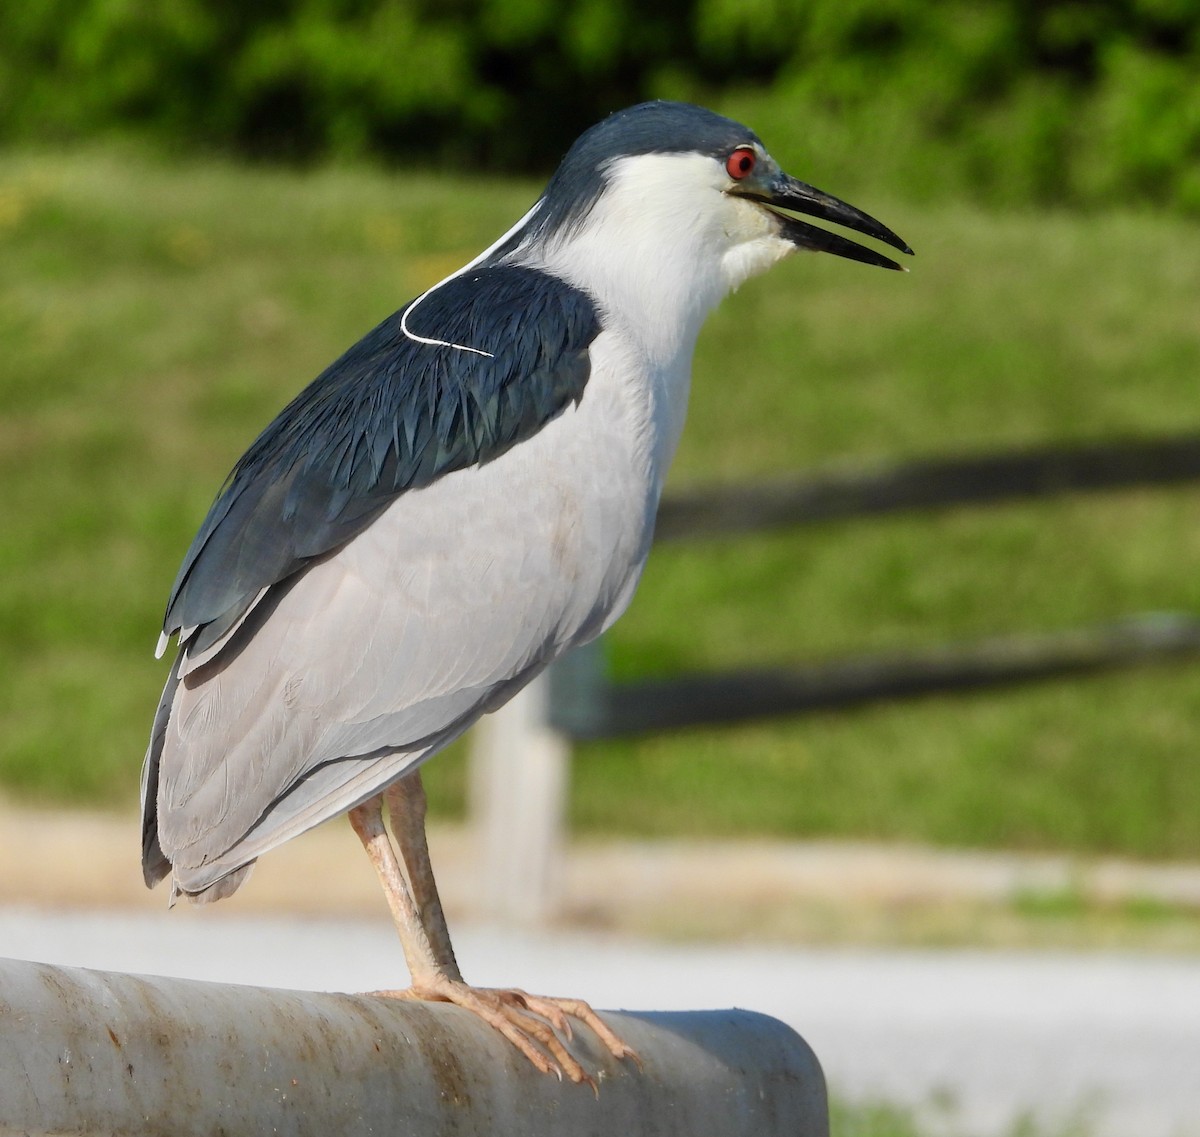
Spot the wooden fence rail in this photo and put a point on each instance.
(584, 705)
(936, 483)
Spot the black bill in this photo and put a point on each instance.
(783, 192)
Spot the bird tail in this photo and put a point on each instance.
(218, 890)
(155, 865)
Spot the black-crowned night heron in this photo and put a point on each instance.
(464, 495)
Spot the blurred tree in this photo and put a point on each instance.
(1009, 100)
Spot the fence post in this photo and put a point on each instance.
(519, 770)
(91, 1053)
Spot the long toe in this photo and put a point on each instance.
(553, 1008)
(532, 1023)
(528, 1022)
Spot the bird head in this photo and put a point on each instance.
(666, 196)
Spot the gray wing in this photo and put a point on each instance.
(359, 660)
(392, 414)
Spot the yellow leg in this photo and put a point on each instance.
(529, 1022)
(406, 808)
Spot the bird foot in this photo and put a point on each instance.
(529, 1022)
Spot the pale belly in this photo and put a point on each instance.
(529, 554)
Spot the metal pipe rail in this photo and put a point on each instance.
(90, 1052)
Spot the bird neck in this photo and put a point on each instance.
(655, 295)
(649, 252)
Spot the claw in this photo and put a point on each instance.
(577, 1008)
(550, 1010)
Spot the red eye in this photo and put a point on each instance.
(740, 164)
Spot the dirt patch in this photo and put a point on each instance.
(796, 892)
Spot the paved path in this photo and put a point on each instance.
(1003, 1033)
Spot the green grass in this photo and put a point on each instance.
(153, 317)
(881, 1119)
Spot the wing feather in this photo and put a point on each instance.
(392, 414)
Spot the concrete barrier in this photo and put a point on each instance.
(89, 1052)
